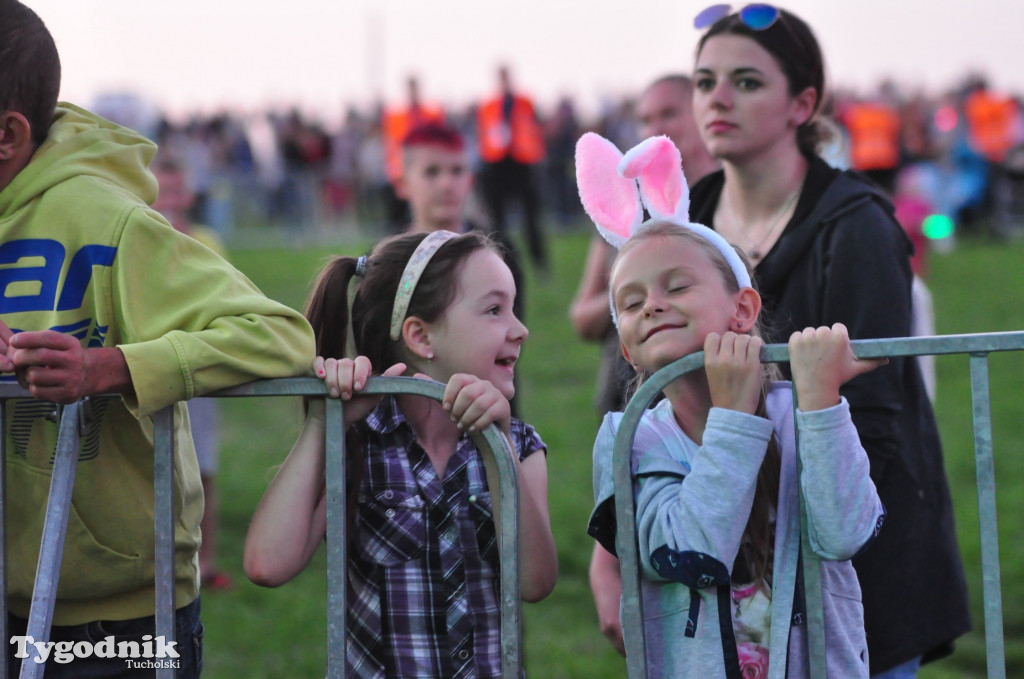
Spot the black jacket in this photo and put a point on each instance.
(843, 258)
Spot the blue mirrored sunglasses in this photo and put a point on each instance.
(755, 16)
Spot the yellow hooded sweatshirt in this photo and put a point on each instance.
(81, 252)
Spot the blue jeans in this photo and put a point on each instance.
(907, 670)
(188, 638)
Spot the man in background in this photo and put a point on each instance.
(511, 142)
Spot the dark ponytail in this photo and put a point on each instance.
(327, 312)
(327, 307)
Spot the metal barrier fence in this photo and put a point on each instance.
(498, 461)
(75, 418)
(977, 346)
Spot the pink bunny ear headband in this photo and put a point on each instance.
(608, 184)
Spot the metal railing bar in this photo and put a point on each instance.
(163, 518)
(163, 501)
(337, 521)
(51, 549)
(282, 386)
(632, 611)
(995, 653)
(4, 632)
(625, 533)
(499, 463)
(497, 460)
(811, 570)
(915, 346)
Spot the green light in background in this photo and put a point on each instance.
(937, 227)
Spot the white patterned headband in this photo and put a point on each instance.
(414, 268)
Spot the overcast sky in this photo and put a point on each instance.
(326, 54)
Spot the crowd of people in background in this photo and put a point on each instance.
(959, 154)
(798, 230)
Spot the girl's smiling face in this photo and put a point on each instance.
(741, 99)
(478, 334)
(668, 295)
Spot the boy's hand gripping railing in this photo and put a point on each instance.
(978, 346)
(501, 473)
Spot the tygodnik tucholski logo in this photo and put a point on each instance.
(151, 653)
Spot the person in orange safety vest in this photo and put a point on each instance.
(992, 122)
(511, 143)
(874, 129)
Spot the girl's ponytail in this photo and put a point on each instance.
(328, 313)
(327, 307)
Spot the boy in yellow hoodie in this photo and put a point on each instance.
(99, 295)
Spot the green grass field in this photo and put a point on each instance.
(254, 632)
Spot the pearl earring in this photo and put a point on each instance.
(430, 357)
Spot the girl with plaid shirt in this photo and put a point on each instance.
(423, 562)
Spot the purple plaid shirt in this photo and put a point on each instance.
(423, 568)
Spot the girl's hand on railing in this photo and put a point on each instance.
(822, 361)
(474, 403)
(347, 376)
(733, 366)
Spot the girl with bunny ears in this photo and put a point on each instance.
(715, 462)
(423, 562)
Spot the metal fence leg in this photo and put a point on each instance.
(4, 633)
(163, 518)
(498, 455)
(626, 544)
(337, 521)
(815, 619)
(628, 552)
(44, 593)
(985, 465)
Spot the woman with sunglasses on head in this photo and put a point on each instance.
(827, 250)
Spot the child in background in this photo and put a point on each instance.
(423, 562)
(714, 463)
(437, 182)
(175, 201)
(436, 178)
